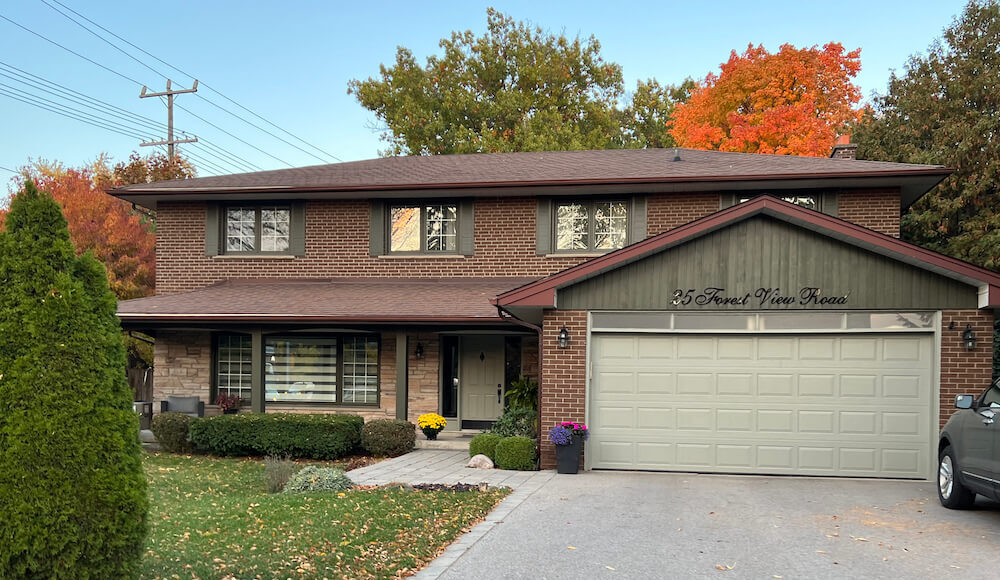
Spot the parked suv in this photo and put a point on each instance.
(969, 450)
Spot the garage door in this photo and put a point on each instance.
(846, 405)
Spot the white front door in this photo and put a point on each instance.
(482, 376)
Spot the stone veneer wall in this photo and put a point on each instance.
(964, 371)
(182, 367)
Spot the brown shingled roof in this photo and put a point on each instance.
(360, 300)
(533, 168)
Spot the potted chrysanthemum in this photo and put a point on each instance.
(568, 437)
(431, 424)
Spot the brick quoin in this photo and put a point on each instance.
(564, 376)
(964, 372)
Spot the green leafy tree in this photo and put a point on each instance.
(944, 110)
(649, 115)
(516, 88)
(72, 493)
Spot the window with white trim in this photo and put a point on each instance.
(428, 228)
(257, 229)
(593, 226)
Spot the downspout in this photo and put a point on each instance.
(538, 329)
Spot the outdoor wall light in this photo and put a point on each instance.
(419, 352)
(969, 338)
(563, 337)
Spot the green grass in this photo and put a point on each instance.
(211, 518)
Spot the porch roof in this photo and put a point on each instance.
(353, 300)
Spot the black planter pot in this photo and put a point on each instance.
(568, 456)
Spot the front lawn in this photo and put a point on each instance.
(211, 518)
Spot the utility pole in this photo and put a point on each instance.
(169, 93)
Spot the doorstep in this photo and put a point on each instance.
(447, 440)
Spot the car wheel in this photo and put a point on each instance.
(951, 492)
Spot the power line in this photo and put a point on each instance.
(95, 63)
(11, 170)
(223, 154)
(70, 115)
(303, 141)
(38, 82)
(204, 120)
(68, 108)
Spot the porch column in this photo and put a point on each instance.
(257, 371)
(402, 390)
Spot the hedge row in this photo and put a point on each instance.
(284, 434)
(516, 453)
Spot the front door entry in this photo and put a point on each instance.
(482, 377)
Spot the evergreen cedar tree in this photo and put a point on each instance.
(793, 102)
(72, 492)
(516, 88)
(943, 110)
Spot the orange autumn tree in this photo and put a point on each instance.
(793, 102)
(120, 238)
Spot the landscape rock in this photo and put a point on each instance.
(480, 462)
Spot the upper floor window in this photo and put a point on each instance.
(257, 229)
(593, 226)
(423, 228)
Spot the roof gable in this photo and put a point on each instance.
(543, 293)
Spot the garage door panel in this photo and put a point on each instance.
(735, 420)
(696, 384)
(903, 387)
(817, 349)
(616, 347)
(806, 410)
(650, 383)
(695, 420)
(817, 385)
(769, 385)
(656, 347)
(615, 383)
(735, 384)
(736, 349)
(654, 418)
(858, 386)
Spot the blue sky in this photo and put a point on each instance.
(290, 61)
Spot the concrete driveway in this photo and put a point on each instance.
(646, 525)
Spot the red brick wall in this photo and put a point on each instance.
(964, 372)
(666, 211)
(875, 210)
(337, 245)
(564, 375)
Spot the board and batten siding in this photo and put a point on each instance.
(763, 252)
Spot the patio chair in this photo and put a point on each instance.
(192, 406)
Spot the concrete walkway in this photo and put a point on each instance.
(448, 467)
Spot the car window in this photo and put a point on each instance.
(991, 396)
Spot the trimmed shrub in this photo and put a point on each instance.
(277, 472)
(517, 423)
(293, 435)
(314, 478)
(73, 499)
(388, 437)
(486, 444)
(172, 432)
(516, 453)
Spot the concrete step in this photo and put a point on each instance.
(451, 440)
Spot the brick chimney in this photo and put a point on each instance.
(844, 149)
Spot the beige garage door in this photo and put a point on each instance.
(847, 405)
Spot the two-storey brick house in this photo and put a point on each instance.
(699, 310)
